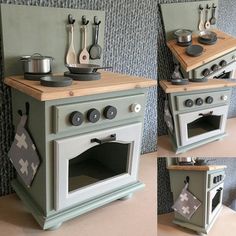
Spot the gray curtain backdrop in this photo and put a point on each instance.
(130, 47)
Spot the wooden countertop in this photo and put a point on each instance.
(109, 82)
(197, 168)
(220, 148)
(193, 86)
(136, 216)
(224, 225)
(225, 44)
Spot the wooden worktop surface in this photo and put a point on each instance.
(109, 82)
(193, 86)
(197, 168)
(225, 44)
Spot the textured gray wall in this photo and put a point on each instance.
(130, 46)
(165, 200)
(226, 22)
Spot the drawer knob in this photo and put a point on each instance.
(135, 107)
(76, 118)
(209, 100)
(224, 97)
(110, 112)
(188, 103)
(93, 115)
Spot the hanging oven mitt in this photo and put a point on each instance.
(186, 204)
(168, 117)
(23, 154)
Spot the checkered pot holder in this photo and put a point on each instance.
(23, 154)
(186, 204)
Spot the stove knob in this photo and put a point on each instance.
(206, 72)
(224, 97)
(188, 103)
(110, 112)
(135, 107)
(214, 180)
(93, 115)
(76, 118)
(223, 63)
(215, 67)
(199, 101)
(209, 100)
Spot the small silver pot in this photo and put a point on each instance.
(183, 35)
(36, 64)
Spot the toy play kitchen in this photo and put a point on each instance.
(197, 193)
(198, 94)
(77, 146)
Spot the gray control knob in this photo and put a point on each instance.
(199, 101)
(215, 67)
(93, 115)
(223, 63)
(110, 112)
(224, 97)
(206, 72)
(209, 100)
(188, 103)
(135, 107)
(76, 118)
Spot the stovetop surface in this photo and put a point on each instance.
(225, 44)
(109, 82)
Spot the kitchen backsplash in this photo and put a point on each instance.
(165, 200)
(130, 47)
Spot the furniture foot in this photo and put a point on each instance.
(126, 197)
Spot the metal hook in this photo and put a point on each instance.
(214, 6)
(96, 22)
(84, 20)
(186, 180)
(200, 7)
(208, 7)
(71, 20)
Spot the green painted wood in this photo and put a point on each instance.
(41, 119)
(47, 222)
(183, 16)
(29, 29)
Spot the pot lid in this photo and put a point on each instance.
(35, 56)
(183, 32)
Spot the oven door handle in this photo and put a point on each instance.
(206, 114)
(220, 189)
(111, 138)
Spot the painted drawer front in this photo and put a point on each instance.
(202, 129)
(220, 98)
(69, 149)
(122, 104)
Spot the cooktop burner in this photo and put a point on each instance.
(83, 77)
(35, 77)
(199, 80)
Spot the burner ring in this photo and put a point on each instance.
(83, 77)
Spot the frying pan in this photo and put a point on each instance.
(85, 68)
(207, 35)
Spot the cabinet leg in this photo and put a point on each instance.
(55, 226)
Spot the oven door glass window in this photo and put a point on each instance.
(199, 125)
(98, 163)
(95, 163)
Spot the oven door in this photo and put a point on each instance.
(95, 163)
(214, 202)
(199, 125)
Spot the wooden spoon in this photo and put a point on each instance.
(84, 55)
(71, 55)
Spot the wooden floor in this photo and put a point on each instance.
(222, 148)
(136, 216)
(225, 225)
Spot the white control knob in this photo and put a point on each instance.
(224, 97)
(135, 107)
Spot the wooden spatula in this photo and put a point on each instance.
(71, 55)
(84, 55)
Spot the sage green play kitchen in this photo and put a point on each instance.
(198, 93)
(85, 137)
(201, 185)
